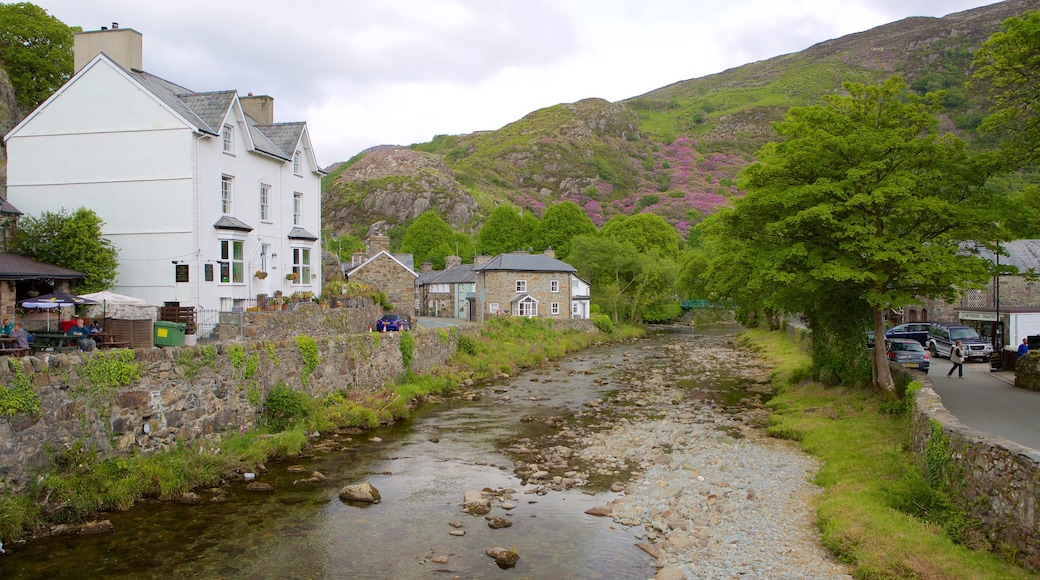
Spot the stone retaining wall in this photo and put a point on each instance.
(996, 480)
(192, 392)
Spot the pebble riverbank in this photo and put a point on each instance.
(707, 494)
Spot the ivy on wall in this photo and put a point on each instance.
(21, 396)
(308, 348)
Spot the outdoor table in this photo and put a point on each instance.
(53, 341)
(8, 348)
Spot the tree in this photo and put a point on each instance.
(863, 202)
(647, 232)
(35, 50)
(560, 223)
(1008, 65)
(501, 232)
(429, 238)
(71, 241)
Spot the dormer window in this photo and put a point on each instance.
(229, 139)
(296, 164)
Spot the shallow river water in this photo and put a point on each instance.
(421, 467)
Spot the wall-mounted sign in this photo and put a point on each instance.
(988, 316)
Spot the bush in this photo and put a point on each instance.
(603, 323)
(284, 407)
(467, 345)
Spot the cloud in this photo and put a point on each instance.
(369, 72)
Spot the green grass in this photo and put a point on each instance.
(876, 512)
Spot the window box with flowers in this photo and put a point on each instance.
(260, 274)
(292, 276)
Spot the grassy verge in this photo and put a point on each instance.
(78, 484)
(877, 512)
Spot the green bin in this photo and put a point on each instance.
(168, 333)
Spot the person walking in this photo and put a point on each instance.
(957, 358)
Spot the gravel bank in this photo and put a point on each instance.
(707, 494)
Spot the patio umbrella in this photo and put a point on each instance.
(54, 300)
(106, 297)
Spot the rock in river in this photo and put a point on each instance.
(362, 492)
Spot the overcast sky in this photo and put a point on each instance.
(370, 72)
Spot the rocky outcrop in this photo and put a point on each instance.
(396, 184)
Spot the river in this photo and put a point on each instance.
(422, 467)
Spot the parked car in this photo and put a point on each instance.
(915, 330)
(908, 352)
(942, 335)
(391, 322)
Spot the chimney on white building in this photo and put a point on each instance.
(259, 107)
(123, 45)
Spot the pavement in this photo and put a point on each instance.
(989, 401)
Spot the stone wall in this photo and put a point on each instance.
(192, 392)
(996, 480)
(305, 318)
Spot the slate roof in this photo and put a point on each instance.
(7, 209)
(19, 267)
(206, 111)
(1022, 254)
(523, 262)
(461, 274)
(229, 223)
(298, 233)
(283, 136)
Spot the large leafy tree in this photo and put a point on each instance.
(72, 240)
(35, 50)
(647, 232)
(501, 232)
(560, 223)
(864, 203)
(429, 238)
(1008, 66)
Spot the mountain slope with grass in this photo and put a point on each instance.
(674, 151)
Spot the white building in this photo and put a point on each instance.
(198, 191)
(581, 297)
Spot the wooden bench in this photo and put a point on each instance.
(114, 344)
(14, 351)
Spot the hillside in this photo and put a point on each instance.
(674, 151)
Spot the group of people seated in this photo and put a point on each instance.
(20, 335)
(81, 332)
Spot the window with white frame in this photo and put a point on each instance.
(554, 308)
(296, 164)
(265, 202)
(227, 190)
(493, 307)
(232, 264)
(440, 288)
(554, 286)
(297, 208)
(302, 265)
(575, 308)
(228, 135)
(526, 306)
(521, 285)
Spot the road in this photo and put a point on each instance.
(989, 401)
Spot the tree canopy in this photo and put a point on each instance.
(862, 200)
(71, 240)
(501, 232)
(430, 238)
(647, 232)
(1009, 68)
(35, 50)
(560, 223)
